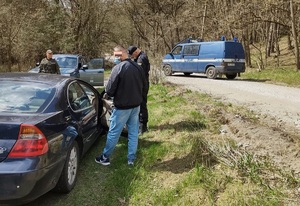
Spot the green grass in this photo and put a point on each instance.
(284, 76)
(180, 161)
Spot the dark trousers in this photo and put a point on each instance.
(144, 109)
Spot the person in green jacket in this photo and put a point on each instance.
(49, 65)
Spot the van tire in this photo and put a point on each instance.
(168, 70)
(187, 73)
(211, 72)
(231, 76)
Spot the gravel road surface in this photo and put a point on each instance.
(280, 102)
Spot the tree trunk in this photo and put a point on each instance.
(203, 20)
(294, 32)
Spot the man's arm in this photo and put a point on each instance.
(144, 62)
(112, 83)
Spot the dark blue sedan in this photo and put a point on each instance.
(47, 123)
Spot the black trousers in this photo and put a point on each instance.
(144, 109)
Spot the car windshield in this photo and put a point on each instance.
(66, 62)
(23, 97)
(96, 63)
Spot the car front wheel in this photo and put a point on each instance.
(68, 176)
(167, 70)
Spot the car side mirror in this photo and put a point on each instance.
(84, 67)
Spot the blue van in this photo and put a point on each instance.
(211, 58)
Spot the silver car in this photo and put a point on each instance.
(77, 66)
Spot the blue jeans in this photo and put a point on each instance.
(118, 119)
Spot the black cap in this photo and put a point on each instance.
(131, 49)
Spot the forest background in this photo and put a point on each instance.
(93, 27)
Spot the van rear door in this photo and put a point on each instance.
(234, 50)
(235, 57)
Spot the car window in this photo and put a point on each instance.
(24, 97)
(96, 63)
(191, 50)
(66, 62)
(177, 50)
(78, 98)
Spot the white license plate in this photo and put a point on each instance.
(231, 64)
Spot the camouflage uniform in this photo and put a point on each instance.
(49, 66)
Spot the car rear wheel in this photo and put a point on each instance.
(211, 73)
(231, 76)
(68, 175)
(168, 70)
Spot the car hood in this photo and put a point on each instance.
(66, 70)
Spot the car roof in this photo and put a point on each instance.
(51, 79)
(66, 55)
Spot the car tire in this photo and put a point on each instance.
(231, 76)
(211, 72)
(68, 175)
(167, 70)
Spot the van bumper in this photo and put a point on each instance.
(229, 69)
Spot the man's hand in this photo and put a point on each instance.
(105, 96)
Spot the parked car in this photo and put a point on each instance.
(212, 58)
(47, 123)
(77, 66)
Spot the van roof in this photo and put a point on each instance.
(207, 42)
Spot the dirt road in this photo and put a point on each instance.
(277, 106)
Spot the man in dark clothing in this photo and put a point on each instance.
(126, 84)
(142, 59)
(49, 65)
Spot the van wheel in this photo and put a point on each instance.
(231, 76)
(168, 70)
(187, 73)
(211, 73)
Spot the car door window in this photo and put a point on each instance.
(96, 63)
(177, 50)
(78, 98)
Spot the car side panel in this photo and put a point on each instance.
(94, 77)
(32, 177)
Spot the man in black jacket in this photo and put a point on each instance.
(142, 59)
(126, 85)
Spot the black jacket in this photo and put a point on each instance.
(126, 84)
(143, 61)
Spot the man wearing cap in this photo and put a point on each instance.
(49, 65)
(142, 59)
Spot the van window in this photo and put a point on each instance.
(191, 50)
(234, 50)
(177, 50)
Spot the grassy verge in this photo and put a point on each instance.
(284, 76)
(182, 160)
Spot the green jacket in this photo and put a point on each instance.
(49, 66)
